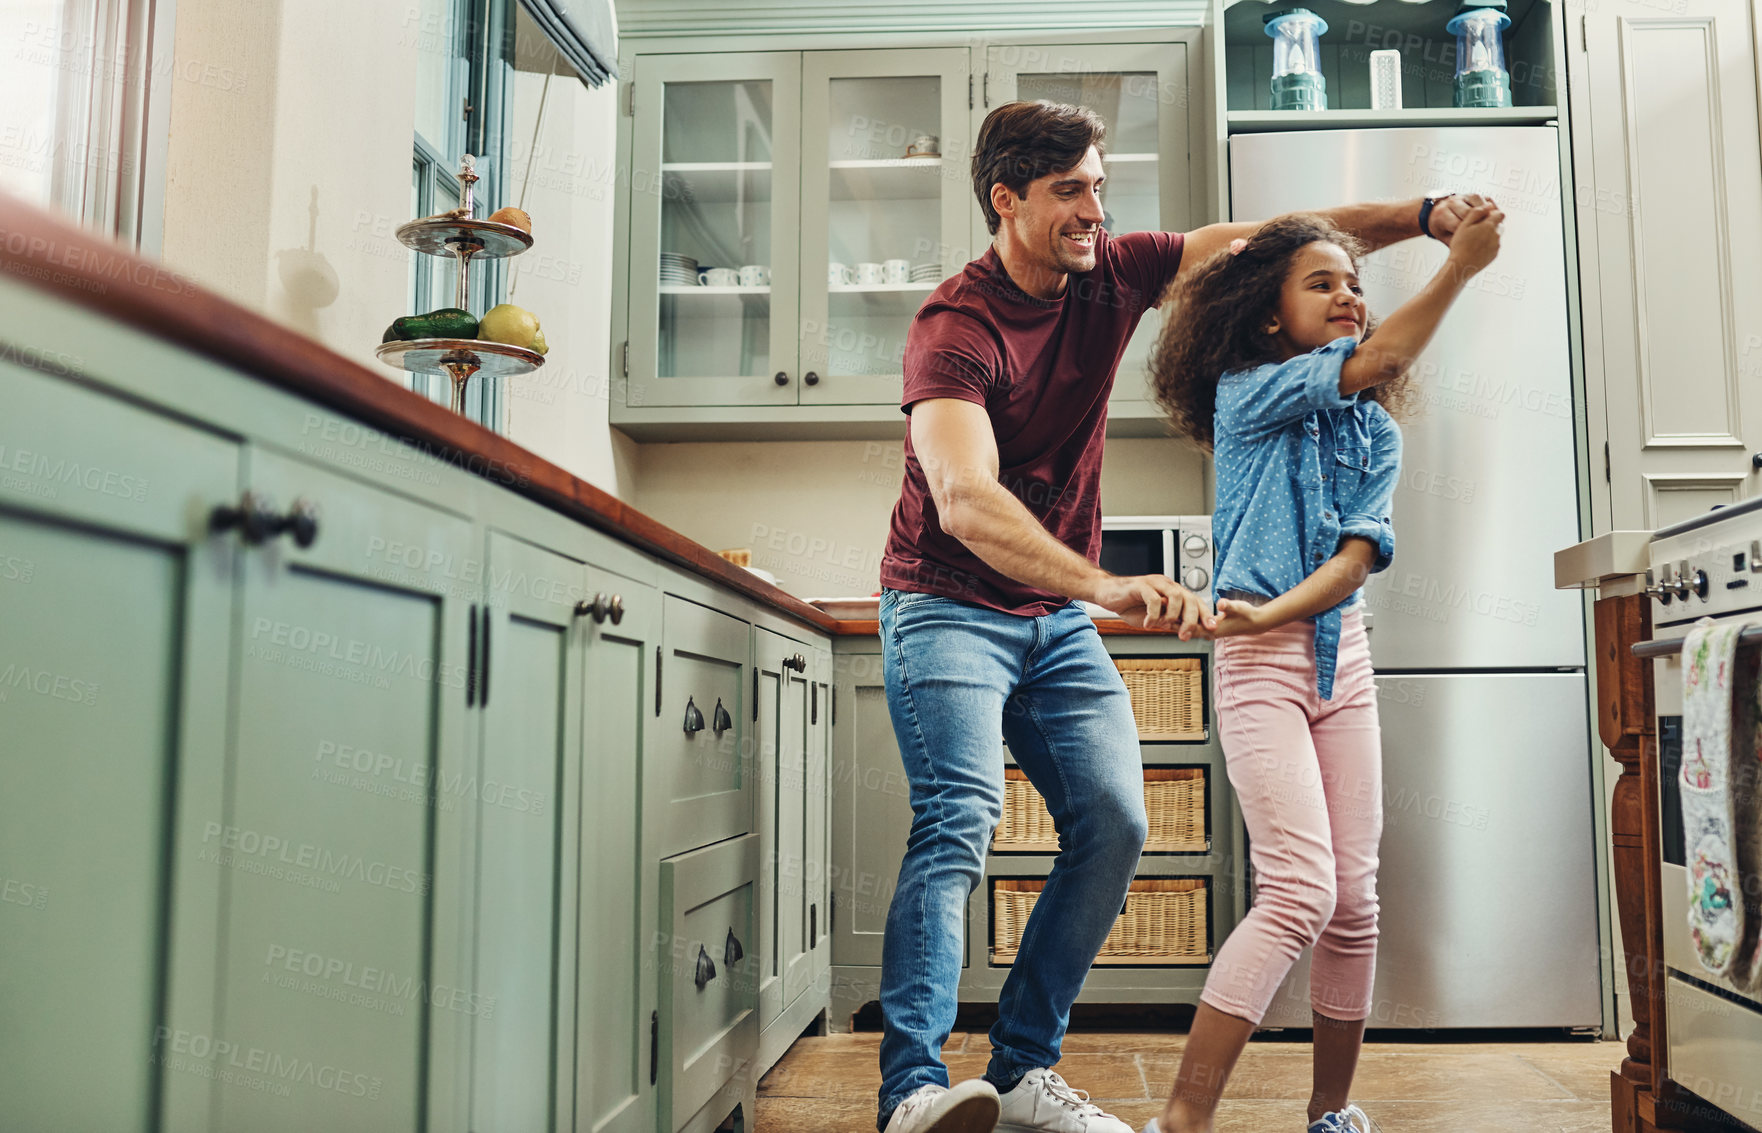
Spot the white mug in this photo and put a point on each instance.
(869, 274)
(719, 277)
(754, 275)
(896, 271)
(838, 275)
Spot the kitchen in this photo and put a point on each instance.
(260, 181)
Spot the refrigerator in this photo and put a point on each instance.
(1488, 879)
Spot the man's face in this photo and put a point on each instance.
(1055, 222)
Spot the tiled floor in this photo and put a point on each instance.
(828, 1084)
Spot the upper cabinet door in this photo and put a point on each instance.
(715, 173)
(1670, 217)
(886, 208)
(1141, 92)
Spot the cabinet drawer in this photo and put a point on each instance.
(709, 966)
(700, 762)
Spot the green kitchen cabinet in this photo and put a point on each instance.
(530, 694)
(616, 1020)
(708, 962)
(345, 842)
(698, 774)
(115, 614)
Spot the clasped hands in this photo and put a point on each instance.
(1158, 602)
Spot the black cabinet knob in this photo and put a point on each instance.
(1756, 460)
(720, 721)
(781, 379)
(301, 522)
(254, 518)
(732, 952)
(811, 378)
(616, 609)
(706, 968)
(694, 717)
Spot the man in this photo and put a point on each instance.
(1008, 367)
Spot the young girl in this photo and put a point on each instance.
(1265, 362)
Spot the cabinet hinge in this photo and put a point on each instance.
(831, 911)
(813, 703)
(657, 680)
(985, 89)
(1608, 478)
(1584, 31)
(755, 693)
(654, 1047)
(626, 362)
(969, 92)
(630, 99)
(834, 706)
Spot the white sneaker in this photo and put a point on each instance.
(1042, 1103)
(969, 1107)
(1348, 1120)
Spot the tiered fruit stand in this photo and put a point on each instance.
(465, 239)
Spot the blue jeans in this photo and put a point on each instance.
(961, 681)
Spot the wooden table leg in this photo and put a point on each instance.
(1625, 725)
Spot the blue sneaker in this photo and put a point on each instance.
(1348, 1120)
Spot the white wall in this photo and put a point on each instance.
(564, 135)
(815, 514)
(283, 187)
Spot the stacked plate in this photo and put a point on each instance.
(678, 270)
(926, 273)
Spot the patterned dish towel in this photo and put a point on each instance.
(1718, 788)
(1746, 795)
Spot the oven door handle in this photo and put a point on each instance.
(1670, 648)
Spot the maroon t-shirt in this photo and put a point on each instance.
(1042, 368)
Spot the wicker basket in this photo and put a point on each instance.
(1168, 696)
(1174, 800)
(1163, 922)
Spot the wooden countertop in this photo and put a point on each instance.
(43, 250)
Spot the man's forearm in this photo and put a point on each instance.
(1378, 225)
(994, 525)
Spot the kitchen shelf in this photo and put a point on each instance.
(880, 298)
(719, 302)
(717, 181)
(1271, 121)
(888, 179)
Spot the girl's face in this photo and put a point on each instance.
(1320, 301)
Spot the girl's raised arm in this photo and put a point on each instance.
(1403, 334)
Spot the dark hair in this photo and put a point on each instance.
(1215, 323)
(1022, 142)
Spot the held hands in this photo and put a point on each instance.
(1235, 618)
(1156, 601)
(1475, 241)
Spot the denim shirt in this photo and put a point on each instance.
(1299, 467)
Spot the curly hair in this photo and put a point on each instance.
(1216, 323)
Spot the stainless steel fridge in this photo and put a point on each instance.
(1488, 881)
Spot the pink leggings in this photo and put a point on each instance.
(1308, 773)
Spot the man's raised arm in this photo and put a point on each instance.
(1378, 225)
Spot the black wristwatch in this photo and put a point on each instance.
(1425, 211)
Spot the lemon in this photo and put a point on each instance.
(539, 344)
(513, 325)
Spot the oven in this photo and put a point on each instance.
(1711, 567)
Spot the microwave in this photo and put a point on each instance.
(1176, 545)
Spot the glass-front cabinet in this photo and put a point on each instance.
(714, 180)
(1141, 92)
(886, 197)
(790, 211)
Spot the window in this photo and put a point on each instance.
(462, 62)
(83, 110)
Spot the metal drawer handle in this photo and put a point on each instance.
(732, 952)
(706, 968)
(797, 662)
(617, 608)
(721, 720)
(257, 522)
(694, 717)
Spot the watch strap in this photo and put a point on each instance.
(1425, 211)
